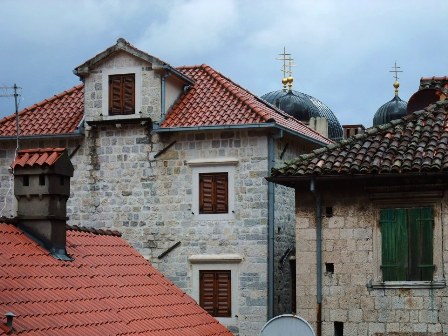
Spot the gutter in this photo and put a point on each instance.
(45, 136)
(239, 126)
(292, 181)
(318, 256)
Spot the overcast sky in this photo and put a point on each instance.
(343, 50)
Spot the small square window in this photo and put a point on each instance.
(213, 193)
(122, 94)
(215, 292)
(407, 244)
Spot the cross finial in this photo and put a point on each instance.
(287, 71)
(396, 70)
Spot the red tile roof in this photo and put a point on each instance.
(60, 114)
(39, 156)
(109, 289)
(414, 144)
(215, 100)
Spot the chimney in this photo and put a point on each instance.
(9, 318)
(320, 125)
(42, 187)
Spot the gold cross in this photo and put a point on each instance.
(286, 57)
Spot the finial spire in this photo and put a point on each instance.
(396, 83)
(287, 72)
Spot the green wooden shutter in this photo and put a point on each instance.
(394, 245)
(420, 221)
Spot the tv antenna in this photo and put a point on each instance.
(13, 91)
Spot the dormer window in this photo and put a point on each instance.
(122, 94)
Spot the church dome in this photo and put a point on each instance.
(393, 109)
(303, 107)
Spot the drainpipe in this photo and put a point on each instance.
(271, 199)
(271, 202)
(163, 95)
(318, 213)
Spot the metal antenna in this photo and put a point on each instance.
(12, 91)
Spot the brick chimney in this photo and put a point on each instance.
(42, 187)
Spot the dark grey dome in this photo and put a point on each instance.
(303, 107)
(394, 109)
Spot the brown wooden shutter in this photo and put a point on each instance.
(215, 292)
(213, 193)
(122, 94)
(115, 95)
(129, 94)
(206, 194)
(206, 296)
(223, 294)
(221, 201)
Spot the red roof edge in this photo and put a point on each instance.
(43, 102)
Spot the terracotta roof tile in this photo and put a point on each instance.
(39, 157)
(216, 100)
(60, 114)
(416, 143)
(213, 100)
(109, 289)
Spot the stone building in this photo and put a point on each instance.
(371, 218)
(57, 279)
(175, 159)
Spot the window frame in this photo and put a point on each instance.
(210, 204)
(438, 281)
(212, 262)
(217, 301)
(218, 165)
(106, 73)
(124, 98)
(403, 253)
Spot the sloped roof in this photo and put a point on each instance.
(38, 156)
(109, 289)
(417, 143)
(60, 114)
(125, 46)
(215, 100)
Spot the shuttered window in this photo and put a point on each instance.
(122, 94)
(407, 249)
(213, 193)
(215, 292)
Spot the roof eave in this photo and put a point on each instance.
(291, 181)
(43, 136)
(238, 126)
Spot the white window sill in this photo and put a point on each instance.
(406, 284)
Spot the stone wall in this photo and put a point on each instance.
(130, 179)
(351, 244)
